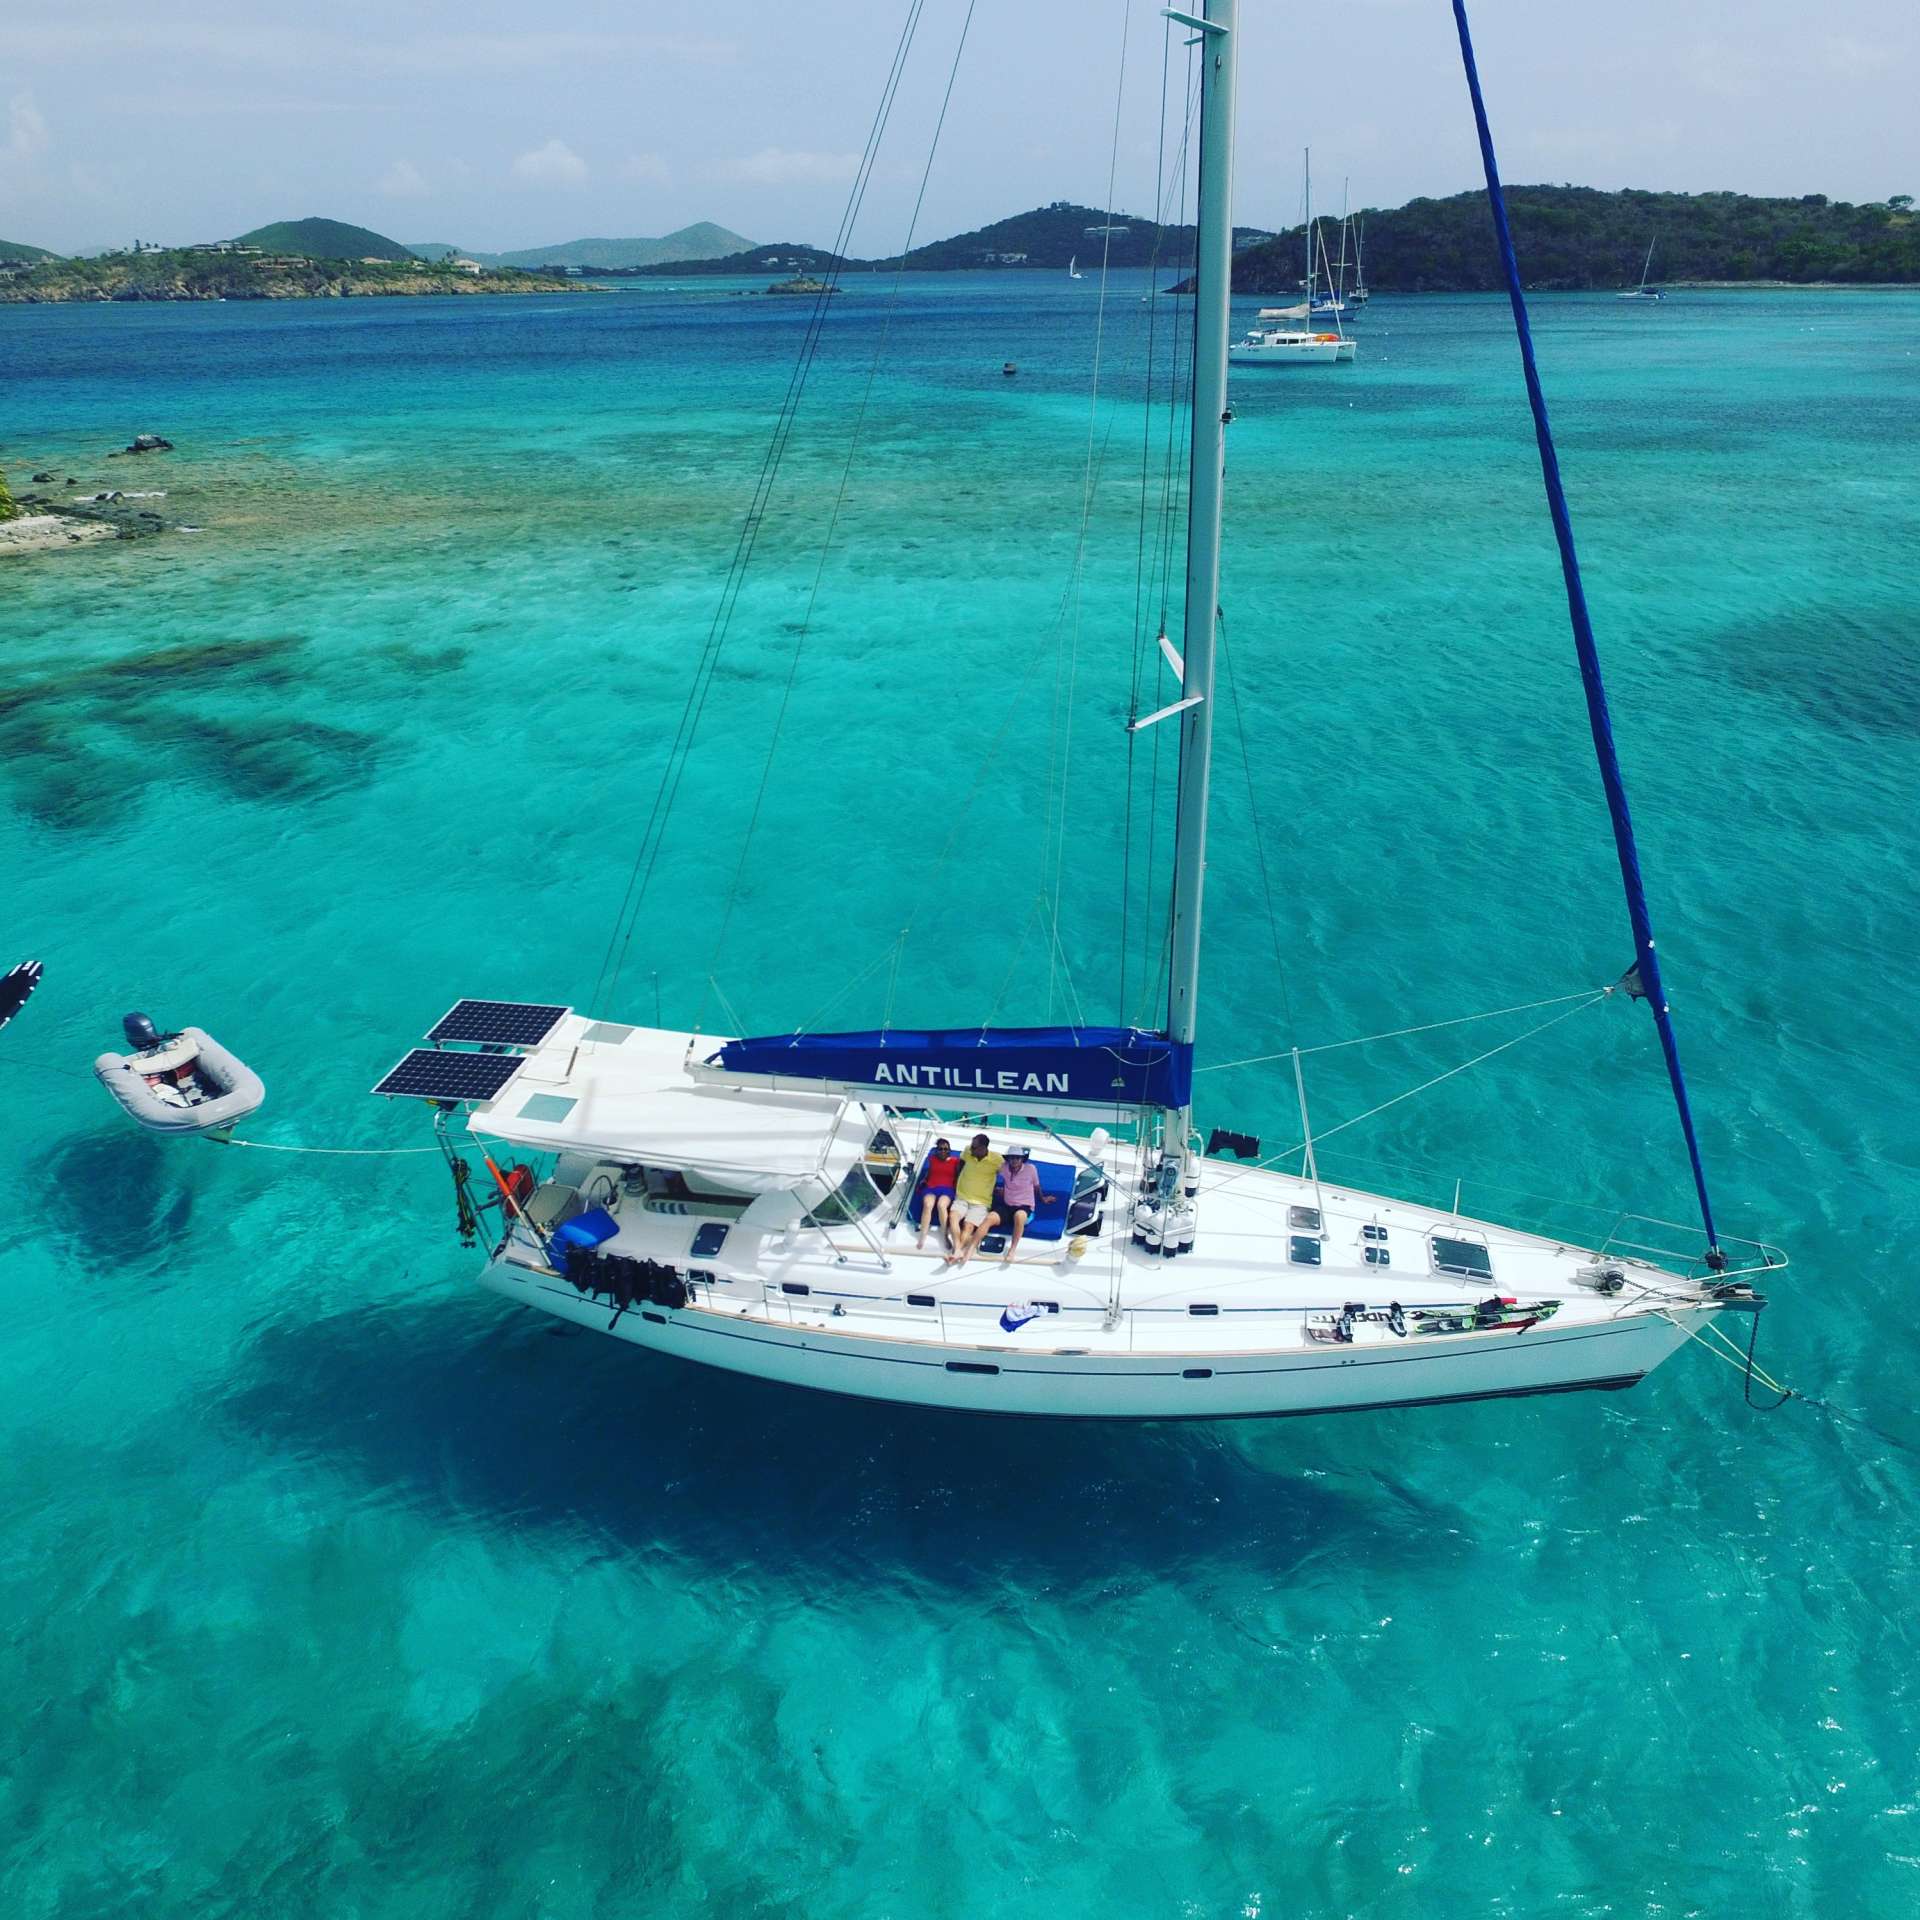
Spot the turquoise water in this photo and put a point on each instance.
(331, 1585)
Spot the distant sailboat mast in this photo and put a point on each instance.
(1307, 163)
(1346, 218)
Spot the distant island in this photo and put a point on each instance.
(1580, 239)
(289, 260)
(1569, 237)
(1052, 237)
(701, 241)
(1574, 238)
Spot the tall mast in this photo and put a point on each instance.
(1212, 293)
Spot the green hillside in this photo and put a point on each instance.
(324, 240)
(1581, 238)
(19, 250)
(776, 256)
(701, 241)
(1053, 235)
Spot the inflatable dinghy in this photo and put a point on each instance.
(184, 1082)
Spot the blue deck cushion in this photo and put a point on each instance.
(1048, 1221)
(586, 1230)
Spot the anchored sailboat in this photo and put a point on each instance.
(1643, 291)
(755, 1203)
(1298, 335)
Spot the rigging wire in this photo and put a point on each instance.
(1646, 960)
(1402, 1033)
(1259, 838)
(839, 502)
(1140, 534)
(1174, 458)
(1588, 1000)
(1063, 706)
(646, 858)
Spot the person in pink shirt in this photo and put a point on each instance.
(1020, 1192)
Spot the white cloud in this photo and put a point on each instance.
(648, 167)
(784, 166)
(554, 165)
(26, 128)
(402, 181)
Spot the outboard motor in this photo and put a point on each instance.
(140, 1031)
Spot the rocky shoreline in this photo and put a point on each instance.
(20, 293)
(37, 521)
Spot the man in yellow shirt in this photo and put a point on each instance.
(973, 1198)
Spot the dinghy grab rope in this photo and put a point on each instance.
(1646, 960)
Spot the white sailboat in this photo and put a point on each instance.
(1073, 269)
(1287, 336)
(1643, 291)
(753, 1203)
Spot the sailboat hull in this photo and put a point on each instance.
(1048, 1381)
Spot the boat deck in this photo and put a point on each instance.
(640, 1130)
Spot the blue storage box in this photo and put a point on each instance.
(584, 1230)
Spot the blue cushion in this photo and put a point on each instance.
(587, 1229)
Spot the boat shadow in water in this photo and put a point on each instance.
(523, 1424)
(117, 1200)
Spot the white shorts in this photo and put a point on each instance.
(971, 1213)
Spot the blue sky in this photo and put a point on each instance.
(495, 125)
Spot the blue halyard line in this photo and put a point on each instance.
(1598, 717)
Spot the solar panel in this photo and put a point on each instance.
(498, 1023)
(428, 1074)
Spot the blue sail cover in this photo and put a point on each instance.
(972, 1066)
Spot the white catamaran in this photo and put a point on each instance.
(755, 1203)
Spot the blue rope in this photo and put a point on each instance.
(1646, 960)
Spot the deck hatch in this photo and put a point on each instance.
(1463, 1257)
(1303, 1249)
